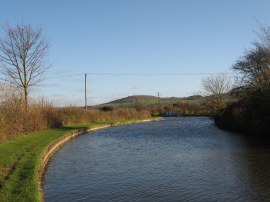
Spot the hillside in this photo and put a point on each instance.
(134, 99)
(149, 100)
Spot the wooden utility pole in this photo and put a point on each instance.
(85, 91)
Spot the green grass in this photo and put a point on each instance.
(148, 101)
(20, 161)
(19, 164)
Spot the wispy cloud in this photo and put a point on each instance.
(62, 72)
(49, 85)
(137, 87)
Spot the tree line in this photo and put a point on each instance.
(23, 61)
(245, 106)
(242, 105)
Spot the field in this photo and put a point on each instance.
(149, 101)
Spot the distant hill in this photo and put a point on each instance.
(194, 97)
(134, 98)
(147, 100)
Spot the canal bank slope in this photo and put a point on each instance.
(54, 147)
(23, 160)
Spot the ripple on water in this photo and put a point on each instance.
(175, 159)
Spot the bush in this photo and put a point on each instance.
(15, 121)
(249, 115)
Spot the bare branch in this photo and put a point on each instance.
(217, 87)
(23, 56)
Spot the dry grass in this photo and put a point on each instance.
(15, 121)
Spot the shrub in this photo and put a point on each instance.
(15, 121)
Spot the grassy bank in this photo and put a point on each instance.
(15, 121)
(20, 161)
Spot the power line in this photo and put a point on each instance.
(65, 76)
(136, 74)
(152, 74)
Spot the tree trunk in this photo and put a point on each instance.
(25, 98)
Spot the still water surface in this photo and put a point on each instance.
(174, 159)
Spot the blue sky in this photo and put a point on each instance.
(136, 36)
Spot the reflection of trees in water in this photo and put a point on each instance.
(253, 170)
(258, 163)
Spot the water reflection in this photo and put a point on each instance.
(175, 159)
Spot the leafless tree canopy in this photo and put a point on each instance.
(217, 86)
(7, 92)
(263, 36)
(23, 56)
(253, 67)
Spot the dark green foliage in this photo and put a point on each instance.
(249, 115)
(107, 108)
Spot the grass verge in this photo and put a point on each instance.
(20, 161)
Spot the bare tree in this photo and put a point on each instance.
(23, 56)
(253, 67)
(7, 92)
(217, 87)
(263, 36)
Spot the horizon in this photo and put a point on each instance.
(137, 47)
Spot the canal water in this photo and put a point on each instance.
(174, 159)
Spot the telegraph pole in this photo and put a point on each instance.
(85, 92)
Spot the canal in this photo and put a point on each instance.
(173, 159)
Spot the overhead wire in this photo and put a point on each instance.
(135, 74)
